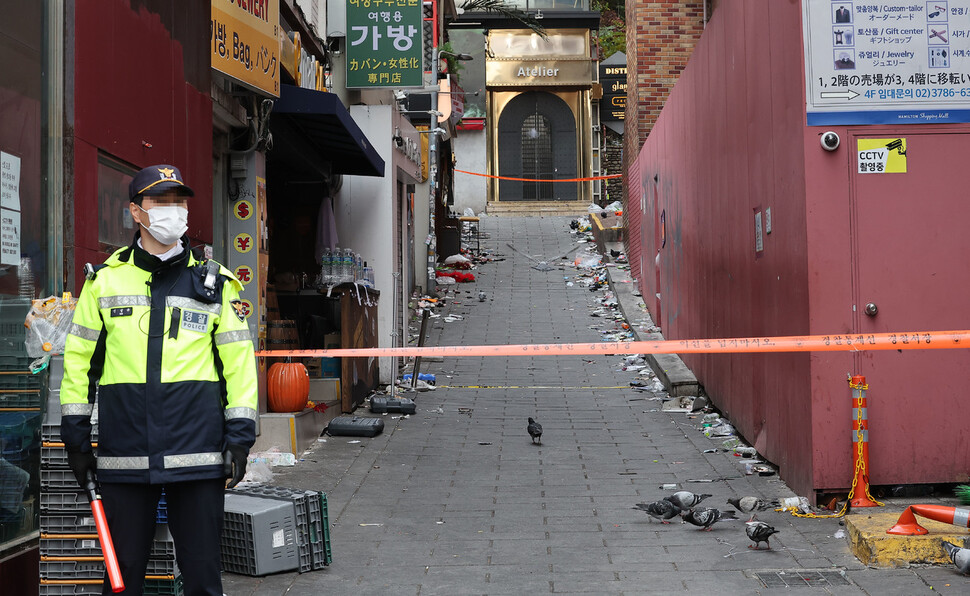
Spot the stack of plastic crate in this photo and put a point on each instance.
(71, 557)
(259, 535)
(312, 521)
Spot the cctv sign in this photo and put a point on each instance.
(882, 156)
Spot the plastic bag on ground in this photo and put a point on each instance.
(457, 259)
(588, 261)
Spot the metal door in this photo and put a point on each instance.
(537, 141)
(911, 252)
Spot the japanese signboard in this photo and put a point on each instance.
(613, 104)
(384, 43)
(245, 42)
(887, 61)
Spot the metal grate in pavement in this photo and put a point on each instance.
(793, 578)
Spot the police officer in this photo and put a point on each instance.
(161, 339)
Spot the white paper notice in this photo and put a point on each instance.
(9, 237)
(9, 181)
(279, 539)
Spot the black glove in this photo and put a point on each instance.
(81, 463)
(234, 463)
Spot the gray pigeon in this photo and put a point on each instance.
(685, 499)
(758, 532)
(707, 517)
(662, 510)
(752, 504)
(959, 556)
(535, 431)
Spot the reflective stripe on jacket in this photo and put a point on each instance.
(172, 366)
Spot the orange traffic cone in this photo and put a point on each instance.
(906, 525)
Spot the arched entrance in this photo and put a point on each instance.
(537, 140)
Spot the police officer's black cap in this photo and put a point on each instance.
(157, 180)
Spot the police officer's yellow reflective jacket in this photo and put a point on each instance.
(171, 362)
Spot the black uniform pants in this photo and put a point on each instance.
(195, 512)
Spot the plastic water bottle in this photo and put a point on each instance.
(358, 267)
(348, 266)
(369, 276)
(326, 264)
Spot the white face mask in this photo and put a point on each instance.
(167, 223)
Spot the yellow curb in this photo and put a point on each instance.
(871, 544)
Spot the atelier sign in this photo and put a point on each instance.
(515, 73)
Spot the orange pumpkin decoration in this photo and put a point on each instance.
(287, 386)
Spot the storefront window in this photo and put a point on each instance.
(116, 228)
(24, 253)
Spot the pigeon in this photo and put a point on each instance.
(662, 510)
(615, 253)
(752, 504)
(959, 556)
(758, 532)
(535, 431)
(707, 517)
(481, 296)
(685, 499)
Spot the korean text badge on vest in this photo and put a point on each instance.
(122, 311)
(195, 321)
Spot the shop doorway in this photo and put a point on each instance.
(537, 141)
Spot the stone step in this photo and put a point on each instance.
(525, 208)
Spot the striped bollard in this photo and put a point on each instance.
(859, 497)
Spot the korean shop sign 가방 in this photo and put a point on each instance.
(384, 43)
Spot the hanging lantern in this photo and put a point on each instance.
(287, 386)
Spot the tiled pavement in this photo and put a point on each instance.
(457, 500)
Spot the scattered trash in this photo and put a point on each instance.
(273, 457)
(668, 487)
(258, 473)
(840, 533)
(426, 377)
(677, 404)
(454, 260)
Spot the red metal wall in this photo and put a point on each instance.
(141, 76)
(732, 141)
(728, 143)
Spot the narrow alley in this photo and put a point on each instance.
(457, 499)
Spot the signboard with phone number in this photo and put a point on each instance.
(887, 61)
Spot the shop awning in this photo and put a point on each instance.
(328, 128)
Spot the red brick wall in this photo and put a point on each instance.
(660, 39)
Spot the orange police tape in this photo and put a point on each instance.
(606, 177)
(915, 340)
